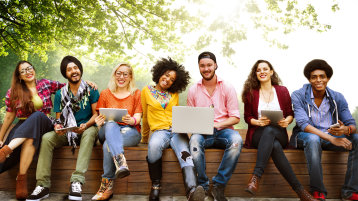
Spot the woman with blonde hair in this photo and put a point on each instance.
(121, 93)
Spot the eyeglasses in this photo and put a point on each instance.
(119, 73)
(28, 69)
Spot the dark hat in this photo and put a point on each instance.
(68, 59)
(208, 55)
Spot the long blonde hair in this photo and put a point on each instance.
(112, 85)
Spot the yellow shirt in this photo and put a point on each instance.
(38, 103)
(155, 117)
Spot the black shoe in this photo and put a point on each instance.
(75, 191)
(39, 193)
(218, 192)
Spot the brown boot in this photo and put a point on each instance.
(253, 184)
(21, 186)
(4, 152)
(305, 196)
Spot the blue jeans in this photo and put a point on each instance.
(313, 146)
(227, 139)
(161, 139)
(114, 137)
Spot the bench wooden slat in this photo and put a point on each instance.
(272, 183)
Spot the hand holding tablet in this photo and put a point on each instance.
(113, 114)
(274, 115)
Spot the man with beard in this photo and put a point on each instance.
(75, 106)
(214, 92)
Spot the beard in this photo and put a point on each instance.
(70, 80)
(208, 78)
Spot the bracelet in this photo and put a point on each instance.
(349, 130)
(135, 121)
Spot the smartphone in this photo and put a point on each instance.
(337, 125)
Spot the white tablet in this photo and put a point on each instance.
(68, 128)
(113, 114)
(274, 115)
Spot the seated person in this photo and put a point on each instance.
(316, 108)
(75, 105)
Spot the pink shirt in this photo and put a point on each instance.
(224, 99)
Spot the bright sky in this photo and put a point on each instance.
(337, 47)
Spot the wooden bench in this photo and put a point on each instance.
(272, 183)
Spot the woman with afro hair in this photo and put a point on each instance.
(170, 79)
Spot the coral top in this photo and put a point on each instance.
(132, 103)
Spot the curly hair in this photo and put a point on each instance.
(252, 83)
(182, 76)
(317, 64)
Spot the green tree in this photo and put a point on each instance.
(270, 19)
(105, 27)
(109, 28)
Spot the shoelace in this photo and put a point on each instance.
(103, 187)
(254, 180)
(76, 187)
(37, 190)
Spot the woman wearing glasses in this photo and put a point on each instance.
(121, 93)
(29, 100)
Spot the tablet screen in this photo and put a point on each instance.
(113, 114)
(274, 115)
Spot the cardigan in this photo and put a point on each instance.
(155, 117)
(251, 109)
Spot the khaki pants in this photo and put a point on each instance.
(50, 141)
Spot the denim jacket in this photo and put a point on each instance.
(301, 100)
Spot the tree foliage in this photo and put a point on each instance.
(269, 18)
(109, 28)
(106, 27)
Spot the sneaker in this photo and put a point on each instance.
(218, 192)
(319, 196)
(39, 193)
(75, 191)
(354, 196)
(121, 166)
(105, 191)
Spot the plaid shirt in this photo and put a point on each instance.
(44, 89)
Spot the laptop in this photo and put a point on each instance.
(187, 119)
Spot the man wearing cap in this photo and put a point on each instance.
(75, 106)
(324, 122)
(212, 91)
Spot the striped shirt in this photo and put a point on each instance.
(321, 117)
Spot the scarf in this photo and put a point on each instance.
(71, 104)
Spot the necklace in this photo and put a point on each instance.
(265, 99)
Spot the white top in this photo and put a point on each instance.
(273, 105)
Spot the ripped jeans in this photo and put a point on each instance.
(162, 139)
(227, 139)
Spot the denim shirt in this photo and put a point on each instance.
(301, 100)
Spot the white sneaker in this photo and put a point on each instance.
(75, 191)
